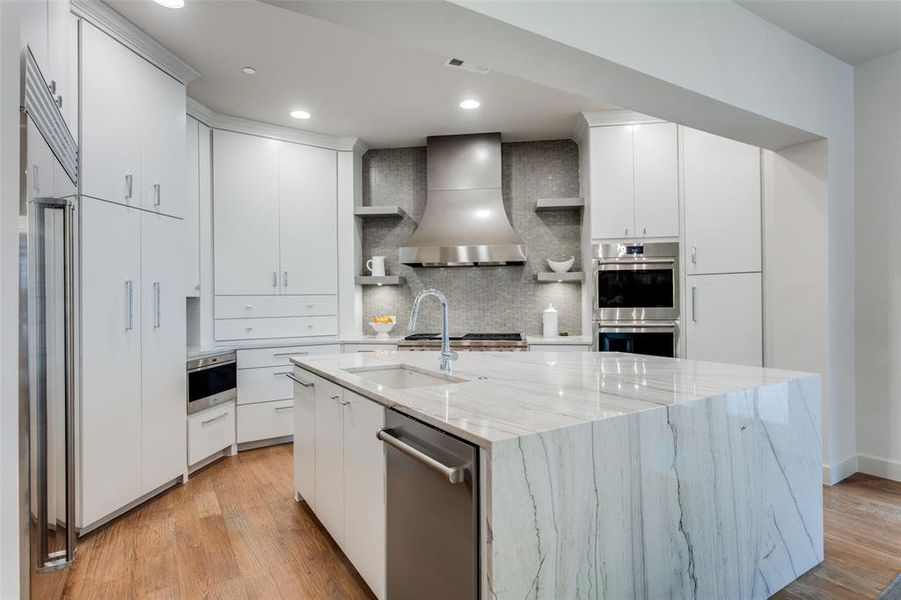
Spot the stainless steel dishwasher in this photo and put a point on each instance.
(433, 512)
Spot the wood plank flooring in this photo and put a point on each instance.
(234, 531)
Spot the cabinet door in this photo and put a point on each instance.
(656, 180)
(63, 59)
(724, 321)
(245, 214)
(162, 129)
(364, 490)
(192, 205)
(33, 30)
(305, 437)
(308, 219)
(163, 343)
(330, 458)
(721, 180)
(110, 143)
(612, 193)
(110, 358)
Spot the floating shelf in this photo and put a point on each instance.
(380, 212)
(387, 280)
(558, 204)
(569, 277)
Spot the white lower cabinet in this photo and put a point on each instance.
(339, 469)
(210, 431)
(274, 328)
(724, 320)
(264, 384)
(265, 420)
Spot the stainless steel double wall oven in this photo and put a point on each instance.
(636, 297)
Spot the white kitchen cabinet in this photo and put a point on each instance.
(245, 215)
(724, 318)
(264, 384)
(50, 30)
(329, 457)
(308, 219)
(273, 328)
(266, 420)
(110, 408)
(163, 345)
(656, 180)
(209, 431)
(110, 148)
(364, 490)
(280, 355)
(721, 182)
(634, 181)
(243, 307)
(305, 437)
(192, 205)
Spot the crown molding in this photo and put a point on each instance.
(605, 118)
(106, 19)
(215, 120)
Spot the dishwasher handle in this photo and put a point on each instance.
(453, 474)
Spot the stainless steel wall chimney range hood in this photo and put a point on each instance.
(464, 223)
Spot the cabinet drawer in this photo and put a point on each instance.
(209, 431)
(275, 357)
(264, 385)
(239, 307)
(265, 420)
(284, 327)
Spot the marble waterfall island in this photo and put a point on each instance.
(616, 476)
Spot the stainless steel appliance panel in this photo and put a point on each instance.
(636, 282)
(432, 512)
(211, 381)
(650, 338)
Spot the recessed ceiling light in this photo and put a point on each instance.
(248, 70)
(171, 3)
(470, 104)
(300, 114)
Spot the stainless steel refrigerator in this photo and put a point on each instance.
(47, 330)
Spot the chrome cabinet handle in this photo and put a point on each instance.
(296, 380)
(290, 353)
(156, 304)
(627, 231)
(156, 195)
(310, 305)
(248, 306)
(275, 279)
(128, 185)
(281, 408)
(285, 279)
(214, 419)
(694, 313)
(282, 373)
(452, 474)
(129, 300)
(52, 86)
(59, 101)
(340, 400)
(694, 255)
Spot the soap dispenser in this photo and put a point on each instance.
(549, 319)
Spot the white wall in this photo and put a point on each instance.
(878, 274)
(712, 66)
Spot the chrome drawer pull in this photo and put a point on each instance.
(281, 408)
(296, 380)
(214, 419)
(453, 474)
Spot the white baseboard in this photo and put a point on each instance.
(880, 467)
(841, 469)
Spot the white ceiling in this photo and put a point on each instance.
(853, 31)
(353, 83)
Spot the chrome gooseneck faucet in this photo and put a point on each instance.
(447, 357)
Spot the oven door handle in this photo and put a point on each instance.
(635, 327)
(212, 366)
(624, 265)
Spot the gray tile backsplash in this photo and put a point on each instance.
(482, 299)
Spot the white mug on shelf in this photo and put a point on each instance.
(376, 266)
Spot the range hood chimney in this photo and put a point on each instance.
(464, 223)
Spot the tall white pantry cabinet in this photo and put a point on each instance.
(133, 278)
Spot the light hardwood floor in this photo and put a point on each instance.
(234, 531)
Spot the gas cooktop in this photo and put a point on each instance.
(470, 341)
(486, 337)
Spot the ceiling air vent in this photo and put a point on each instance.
(459, 63)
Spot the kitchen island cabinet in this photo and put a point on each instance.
(607, 475)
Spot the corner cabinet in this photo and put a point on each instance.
(634, 182)
(339, 469)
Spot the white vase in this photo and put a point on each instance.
(549, 319)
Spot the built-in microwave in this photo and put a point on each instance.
(212, 380)
(636, 281)
(653, 338)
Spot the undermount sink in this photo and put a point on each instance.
(403, 376)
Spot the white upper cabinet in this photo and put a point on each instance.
(133, 117)
(308, 219)
(724, 318)
(656, 180)
(245, 214)
(634, 181)
(612, 192)
(721, 182)
(163, 344)
(110, 146)
(192, 205)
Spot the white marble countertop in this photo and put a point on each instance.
(514, 394)
(560, 340)
(194, 352)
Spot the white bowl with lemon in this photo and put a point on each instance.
(382, 325)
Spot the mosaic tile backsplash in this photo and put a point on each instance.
(482, 299)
